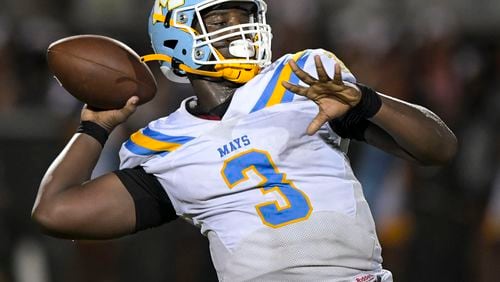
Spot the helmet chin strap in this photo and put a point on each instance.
(237, 73)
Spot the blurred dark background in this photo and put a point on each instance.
(435, 224)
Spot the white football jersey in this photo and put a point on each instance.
(275, 203)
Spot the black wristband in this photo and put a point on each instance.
(368, 106)
(94, 130)
(354, 123)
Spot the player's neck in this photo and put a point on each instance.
(212, 94)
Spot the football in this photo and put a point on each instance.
(100, 71)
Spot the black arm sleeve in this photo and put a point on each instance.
(355, 122)
(349, 130)
(152, 205)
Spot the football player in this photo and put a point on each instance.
(256, 159)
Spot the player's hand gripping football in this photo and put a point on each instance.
(333, 96)
(109, 119)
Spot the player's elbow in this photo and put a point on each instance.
(449, 151)
(442, 153)
(42, 217)
(48, 219)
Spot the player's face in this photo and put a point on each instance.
(223, 18)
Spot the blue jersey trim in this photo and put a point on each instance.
(166, 138)
(273, 83)
(294, 79)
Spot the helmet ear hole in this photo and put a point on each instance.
(170, 44)
(184, 52)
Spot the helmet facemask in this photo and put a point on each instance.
(249, 43)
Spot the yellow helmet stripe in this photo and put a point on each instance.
(158, 18)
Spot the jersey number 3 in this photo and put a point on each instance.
(296, 207)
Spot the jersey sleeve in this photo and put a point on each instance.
(159, 138)
(152, 205)
(329, 61)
